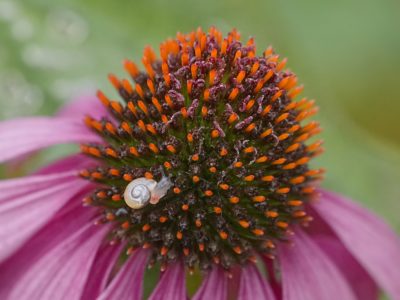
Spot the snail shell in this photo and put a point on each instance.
(141, 191)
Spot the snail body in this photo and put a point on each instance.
(141, 191)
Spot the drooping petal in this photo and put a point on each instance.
(83, 106)
(12, 188)
(25, 209)
(273, 281)
(100, 273)
(214, 286)
(253, 285)
(21, 136)
(172, 285)
(62, 272)
(75, 162)
(234, 281)
(128, 283)
(77, 109)
(364, 287)
(308, 274)
(361, 283)
(368, 239)
(65, 223)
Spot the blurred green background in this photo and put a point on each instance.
(345, 52)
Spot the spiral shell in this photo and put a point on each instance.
(141, 191)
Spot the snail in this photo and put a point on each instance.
(141, 191)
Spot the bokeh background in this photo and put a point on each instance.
(345, 52)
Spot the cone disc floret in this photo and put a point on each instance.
(221, 124)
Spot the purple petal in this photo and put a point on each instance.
(214, 286)
(368, 239)
(62, 272)
(172, 285)
(364, 287)
(77, 109)
(273, 281)
(253, 285)
(128, 283)
(66, 222)
(12, 188)
(21, 136)
(83, 106)
(100, 273)
(308, 274)
(24, 209)
(74, 162)
(234, 281)
(362, 284)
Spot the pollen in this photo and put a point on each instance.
(226, 129)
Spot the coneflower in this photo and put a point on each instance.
(203, 167)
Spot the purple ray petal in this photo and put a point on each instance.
(83, 106)
(61, 273)
(12, 188)
(172, 285)
(74, 162)
(362, 284)
(25, 209)
(308, 274)
(77, 109)
(128, 283)
(253, 285)
(100, 273)
(368, 239)
(66, 222)
(21, 136)
(214, 286)
(364, 287)
(273, 281)
(234, 281)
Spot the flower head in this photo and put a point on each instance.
(219, 122)
(204, 165)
